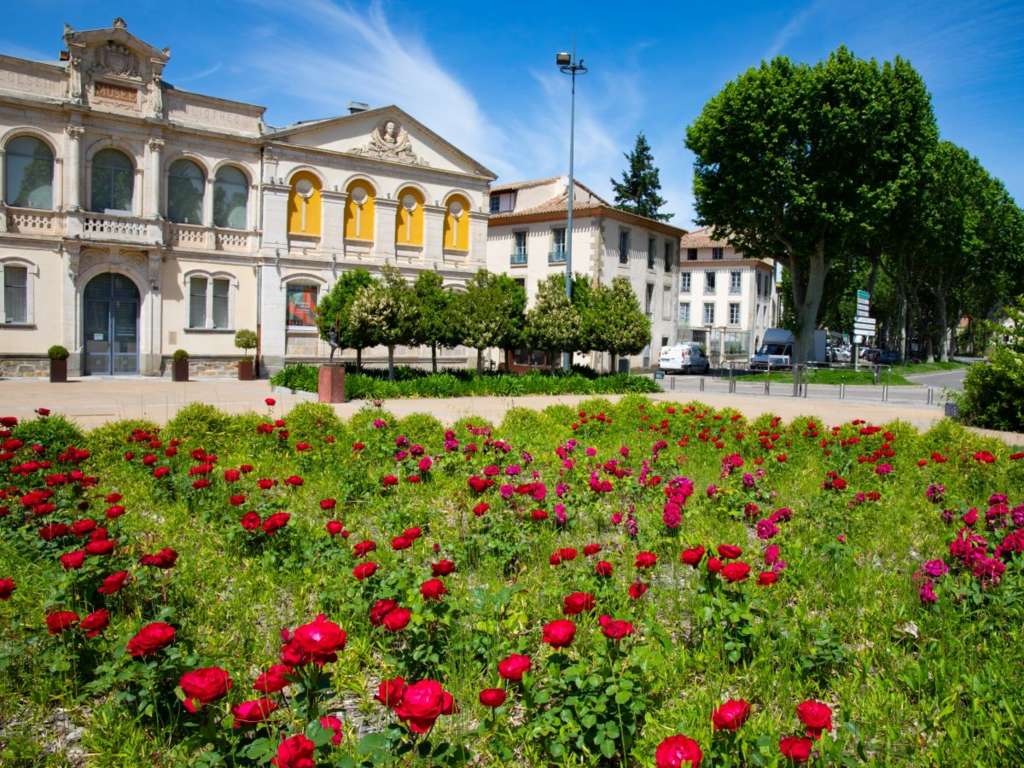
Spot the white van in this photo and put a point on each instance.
(686, 357)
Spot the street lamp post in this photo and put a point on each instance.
(569, 65)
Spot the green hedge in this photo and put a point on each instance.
(993, 395)
(409, 382)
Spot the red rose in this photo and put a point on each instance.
(591, 549)
(433, 589)
(320, 640)
(150, 639)
(714, 565)
(559, 633)
(816, 715)
(326, 504)
(729, 551)
(7, 587)
(767, 578)
(615, 629)
(514, 667)
(165, 558)
(731, 715)
(252, 712)
(271, 402)
(422, 703)
(397, 619)
(736, 571)
(275, 522)
(100, 547)
(577, 603)
(389, 480)
(60, 621)
(237, 500)
(295, 751)
(251, 521)
(274, 679)
(95, 622)
(795, 748)
(492, 697)
(481, 508)
(603, 568)
(203, 686)
(645, 560)
(364, 570)
(442, 568)
(390, 691)
(399, 543)
(113, 583)
(677, 751)
(380, 609)
(83, 527)
(363, 548)
(637, 590)
(334, 527)
(331, 723)
(53, 531)
(72, 560)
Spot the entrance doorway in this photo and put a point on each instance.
(110, 307)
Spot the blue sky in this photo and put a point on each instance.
(482, 74)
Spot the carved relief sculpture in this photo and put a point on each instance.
(390, 141)
(75, 79)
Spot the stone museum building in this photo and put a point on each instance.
(137, 218)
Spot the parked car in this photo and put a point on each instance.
(687, 357)
(776, 351)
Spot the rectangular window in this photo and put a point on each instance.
(495, 203)
(519, 248)
(666, 302)
(734, 282)
(623, 246)
(557, 254)
(716, 254)
(757, 278)
(301, 307)
(691, 254)
(709, 281)
(220, 303)
(649, 300)
(684, 282)
(709, 314)
(197, 302)
(734, 314)
(15, 294)
(503, 202)
(668, 256)
(684, 312)
(651, 256)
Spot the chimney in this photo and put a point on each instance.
(355, 107)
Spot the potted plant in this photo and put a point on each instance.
(245, 340)
(58, 363)
(179, 365)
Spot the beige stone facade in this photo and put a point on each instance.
(138, 218)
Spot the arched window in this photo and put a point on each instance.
(359, 211)
(28, 173)
(113, 181)
(409, 221)
(230, 199)
(456, 224)
(304, 205)
(185, 186)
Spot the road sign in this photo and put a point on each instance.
(863, 303)
(863, 295)
(864, 329)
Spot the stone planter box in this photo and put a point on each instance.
(58, 371)
(331, 384)
(246, 369)
(179, 370)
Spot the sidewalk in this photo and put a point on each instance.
(95, 401)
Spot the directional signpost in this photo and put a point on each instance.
(863, 326)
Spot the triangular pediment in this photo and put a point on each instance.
(388, 134)
(115, 52)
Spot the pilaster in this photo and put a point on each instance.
(154, 164)
(384, 237)
(332, 220)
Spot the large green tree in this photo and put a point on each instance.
(639, 190)
(553, 322)
(615, 321)
(807, 165)
(384, 313)
(332, 313)
(490, 313)
(436, 324)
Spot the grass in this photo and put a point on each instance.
(909, 684)
(831, 376)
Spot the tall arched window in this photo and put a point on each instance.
(113, 181)
(409, 221)
(359, 211)
(230, 199)
(186, 183)
(304, 205)
(28, 173)
(456, 224)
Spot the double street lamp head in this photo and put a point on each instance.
(564, 61)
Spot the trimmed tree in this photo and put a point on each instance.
(332, 314)
(490, 313)
(638, 192)
(615, 321)
(436, 325)
(384, 313)
(553, 322)
(807, 164)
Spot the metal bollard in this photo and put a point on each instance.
(885, 393)
(931, 396)
(701, 383)
(767, 387)
(805, 388)
(672, 384)
(842, 391)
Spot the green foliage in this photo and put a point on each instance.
(57, 352)
(384, 312)
(613, 319)
(200, 423)
(993, 395)
(332, 313)
(179, 355)
(436, 324)
(54, 431)
(490, 312)
(553, 322)
(245, 339)
(638, 192)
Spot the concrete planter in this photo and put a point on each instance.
(58, 370)
(246, 369)
(179, 370)
(331, 384)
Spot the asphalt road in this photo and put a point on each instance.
(953, 380)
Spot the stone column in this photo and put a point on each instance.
(208, 202)
(73, 200)
(384, 236)
(272, 316)
(150, 335)
(152, 176)
(71, 336)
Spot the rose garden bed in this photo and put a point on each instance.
(632, 584)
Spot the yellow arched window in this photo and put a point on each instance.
(409, 221)
(456, 224)
(304, 205)
(359, 211)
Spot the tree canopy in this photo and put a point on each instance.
(639, 190)
(332, 314)
(490, 313)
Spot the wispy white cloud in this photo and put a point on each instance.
(792, 28)
(202, 74)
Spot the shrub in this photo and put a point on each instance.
(57, 352)
(179, 355)
(55, 431)
(245, 340)
(200, 424)
(993, 395)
